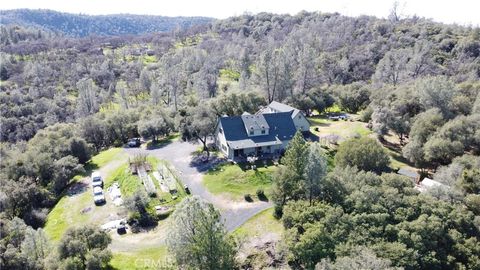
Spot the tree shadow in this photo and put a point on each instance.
(76, 188)
(316, 121)
(202, 164)
(309, 136)
(262, 197)
(89, 168)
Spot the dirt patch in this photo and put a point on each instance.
(132, 242)
(262, 252)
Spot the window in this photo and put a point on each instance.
(251, 132)
(263, 131)
(220, 130)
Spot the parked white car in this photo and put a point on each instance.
(97, 180)
(98, 196)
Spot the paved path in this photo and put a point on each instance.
(179, 155)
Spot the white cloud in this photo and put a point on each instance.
(458, 11)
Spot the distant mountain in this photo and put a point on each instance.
(79, 25)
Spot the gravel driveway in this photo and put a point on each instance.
(179, 155)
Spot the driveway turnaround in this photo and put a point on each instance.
(179, 154)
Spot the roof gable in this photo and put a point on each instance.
(252, 122)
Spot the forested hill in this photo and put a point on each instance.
(79, 25)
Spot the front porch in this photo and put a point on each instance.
(260, 153)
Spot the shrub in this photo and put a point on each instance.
(278, 211)
(366, 115)
(248, 198)
(261, 195)
(364, 153)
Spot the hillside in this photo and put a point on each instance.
(79, 25)
(390, 102)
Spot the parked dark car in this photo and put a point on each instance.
(135, 142)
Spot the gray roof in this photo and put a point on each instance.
(254, 122)
(408, 172)
(280, 124)
(283, 108)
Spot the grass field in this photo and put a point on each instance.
(350, 129)
(150, 258)
(68, 210)
(261, 223)
(66, 214)
(128, 182)
(234, 181)
(344, 129)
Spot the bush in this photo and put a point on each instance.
(248, 198)
(278, 211)
(366, 115)
(261, 195)
(364, 153)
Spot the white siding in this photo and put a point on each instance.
(301, 123)
(221, 141)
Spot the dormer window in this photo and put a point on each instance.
(251, 132)
(263, 131)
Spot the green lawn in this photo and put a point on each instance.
(66, 214)
(128, 182)
(150, 258)
(234, 181)
(106, 156)
(67, 211)
(261, 223)
(344, 129)
(349, 129)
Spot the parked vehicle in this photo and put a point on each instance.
(97, 180)
(98, 196)
(122, 228)
(134, 142)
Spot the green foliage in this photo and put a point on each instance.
(315, 171)
(294, 158)
(364, 153)
(352, 97)
(139, 216)
(197, 238)
(22, 247)
(84, 248)
(386, 214)
(197, 124)
(232, 103)
(230, 74)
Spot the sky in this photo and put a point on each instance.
(464, 12)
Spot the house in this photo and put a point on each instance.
(300, 121)
(262, 134)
